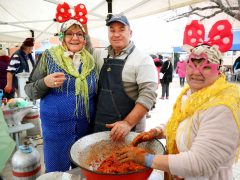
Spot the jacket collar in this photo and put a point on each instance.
(125, 50)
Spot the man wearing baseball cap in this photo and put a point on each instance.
(20, 61)
(118, 18)
(127, 82)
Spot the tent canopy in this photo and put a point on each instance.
(17, 18)
(236, 41)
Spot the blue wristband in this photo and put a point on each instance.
(149, 160)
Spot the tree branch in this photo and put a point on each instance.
(228, 3)
(212, 15)
(233, 11)
(204, 8)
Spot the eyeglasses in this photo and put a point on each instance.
(71, 34)
(204, 67)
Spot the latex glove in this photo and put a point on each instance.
(145, 136)
(119, 130)
(134, 154)
(54, 80)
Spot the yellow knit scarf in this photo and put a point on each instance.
(88, 65)
(219, 93)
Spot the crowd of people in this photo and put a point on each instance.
(84, 90)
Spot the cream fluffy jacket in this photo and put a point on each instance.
(207, 142)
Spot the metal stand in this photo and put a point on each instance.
(16, 130)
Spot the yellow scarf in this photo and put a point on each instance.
(219, 93)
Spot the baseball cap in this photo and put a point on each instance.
(118, 18)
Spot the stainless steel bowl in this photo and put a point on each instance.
(93, 143)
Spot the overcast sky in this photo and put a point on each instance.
(152, 33)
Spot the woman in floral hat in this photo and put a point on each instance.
(65, 80)
(203, 132)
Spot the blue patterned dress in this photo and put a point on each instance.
(63, 118)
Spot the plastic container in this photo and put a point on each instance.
(22, 79)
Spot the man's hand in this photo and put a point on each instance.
(134, 154)
(119, 130)
(8, 88)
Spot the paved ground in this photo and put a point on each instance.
(160, 114)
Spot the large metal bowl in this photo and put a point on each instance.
(81, 148)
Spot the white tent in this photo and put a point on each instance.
(18, 17)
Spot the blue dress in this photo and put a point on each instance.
(63, 123)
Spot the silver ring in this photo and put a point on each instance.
(55, 83)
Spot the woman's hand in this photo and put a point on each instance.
(134, 154)
(119, 130)
(146, 136)
(54, 80)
